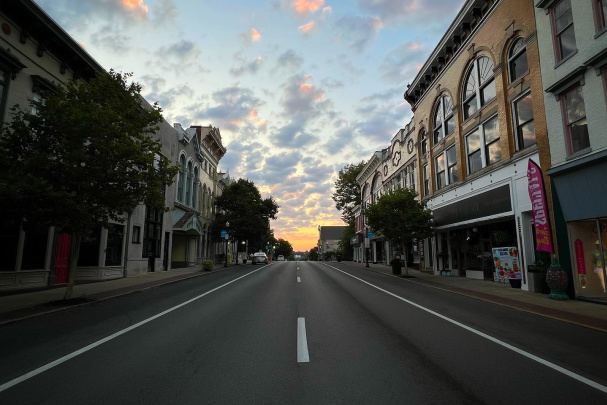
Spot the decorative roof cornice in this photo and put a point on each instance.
(471, 16)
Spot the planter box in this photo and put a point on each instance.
(477, 274)
(534, 282)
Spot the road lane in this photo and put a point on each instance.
(240, 345)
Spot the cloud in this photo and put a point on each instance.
(289, 61)
(307, 6)
(427, 12)
(182, 50)
(292, 135)
(255, 35)
(112, 40)
(231, 109)
(401, 64)
(358, 32)
(306, 27)
(137, 7)
(301, 100)
(252, 67)
(164, 12)
(332, 83)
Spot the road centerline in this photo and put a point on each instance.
(302, 342)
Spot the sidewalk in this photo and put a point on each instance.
(23, 305)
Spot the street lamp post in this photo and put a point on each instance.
(227, 226)
(245, 254)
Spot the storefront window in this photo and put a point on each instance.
(589, 251)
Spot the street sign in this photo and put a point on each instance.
(227, 236)
(223, 234)
(369, 234)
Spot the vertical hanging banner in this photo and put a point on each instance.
(541, 220)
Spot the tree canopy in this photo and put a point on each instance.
(313, 254)
(283, 247)
(347, 191)
(400, 217)
(82, 156)
(247, 212)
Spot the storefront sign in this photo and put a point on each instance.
(492, 202)
(356, 239)
(505, 261)
(537, 194)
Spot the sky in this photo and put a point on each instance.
(297, 88)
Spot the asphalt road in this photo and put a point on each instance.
(299, 333)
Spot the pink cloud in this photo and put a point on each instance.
(255, 35)
(307, 6)
(136, 7)
(306, 27)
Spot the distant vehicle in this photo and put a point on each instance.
(281, 258)
(259, 257)
(297, 257)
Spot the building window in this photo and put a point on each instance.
(409, 177)
(562, 28)
(523, 122)
(152, 232)
(576, 127)
(181, 178)
(446, 168)
(479, 89)
(600, 11)
(423, 143)
(188, 185)
(517, 59)
(483, 146)
(376, 188)
(89, 248)
(195, 187)
(443, 118)
(426, 180)
(136, 234)
(113, 248)
(4, 80)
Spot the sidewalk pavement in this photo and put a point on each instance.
(21, 305)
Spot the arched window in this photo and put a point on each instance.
(188, 185)
(204, 200)
(479, 89)
(517, 59)
(365, 197)
(443, 118)
(376, 188)
(195, 189)
(181, 178)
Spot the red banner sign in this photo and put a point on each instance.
(579, 257)
(537, 195)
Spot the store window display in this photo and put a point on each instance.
(589, 254)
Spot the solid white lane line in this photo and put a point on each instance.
(302, 342)
(546, 363)
(298, 280)
(107, 339)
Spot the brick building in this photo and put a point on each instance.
(479, 118)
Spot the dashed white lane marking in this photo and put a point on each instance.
(85, 349)
(533, 357)
(298, 280)
(302, 342)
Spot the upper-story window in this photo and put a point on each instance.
(426, 180)
(366, 198)
(562, 29)
(446, 168)
(600, 11)
(376, 188)
(188, 185)
(423, 142)
(195, 189)
(181, 178)
(517, 59)
(409, 177)
(479, 89)
(522, 111)
(483, 146)
(576, 126)
(444, 123)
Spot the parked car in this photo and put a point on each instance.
(281, 258)
(259, 257)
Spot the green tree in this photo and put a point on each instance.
(248, 213)
(344, 246)
(283, 247)
(313, 254)
(347, 191)
(400, 218)
(85, 158)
